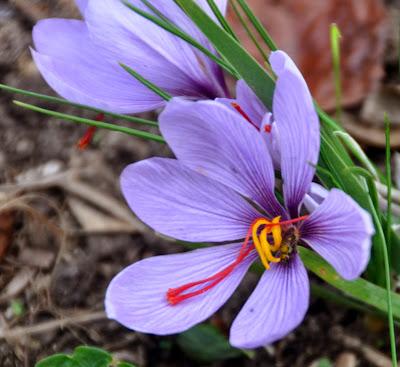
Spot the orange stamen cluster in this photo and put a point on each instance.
(258, 231)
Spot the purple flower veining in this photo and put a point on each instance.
(80, 59)
(221, 189)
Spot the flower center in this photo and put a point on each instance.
(267, 239)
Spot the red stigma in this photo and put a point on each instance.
(175, 296)
(87, 138)
(244, 114)
(268, 128)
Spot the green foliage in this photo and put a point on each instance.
(83, 357)
(324, 362)
(205, 344)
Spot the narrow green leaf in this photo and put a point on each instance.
(357, 151)
(257, 25)
(221, 19)
(99, 124)
(163, 94)
(247, 67)
(359, 289)
(335, 47)
(205, 344)
(48, 98)
(249, 31)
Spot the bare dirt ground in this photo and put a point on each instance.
(65, 232)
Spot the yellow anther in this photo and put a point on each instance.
(257, 243)
(276, 234)
(261, 243)
(266, 246)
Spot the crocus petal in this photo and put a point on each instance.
(270, 132)
(137, 299)
(156, 54)
(340, 231)
(81, 72)
(82, 4)
(315, 197)
(276, 307)
(248, 102)
(181, 203)
(219, 143)
(298, 124)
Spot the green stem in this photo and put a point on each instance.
(99, 124)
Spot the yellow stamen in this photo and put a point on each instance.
(261, 243)
(256, 241)
(277, 234)
(266, 246)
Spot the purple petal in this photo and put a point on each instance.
(315, 197)
(82, 4)
(219, 143)
(81, 72)
(183, 204)
(340, 231)
(137, 299)
(275, 308)
(298, 124)
(248, 101)
(156, 54)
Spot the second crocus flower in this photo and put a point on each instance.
(81, 60)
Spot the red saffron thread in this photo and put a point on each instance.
(175, 296)
(87, 138)
(268, 128)
(244, 114)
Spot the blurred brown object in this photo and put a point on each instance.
(6, 231)
(301, 28)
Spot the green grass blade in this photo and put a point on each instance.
(221, 19)
(249, 31)
(335, 47)
(358, 152)
(257, 25)
(99, 124)
(48, 98)
(163, 94)
(164, 23)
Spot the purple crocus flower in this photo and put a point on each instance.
(80, 59)
(220, 189)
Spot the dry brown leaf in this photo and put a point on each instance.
(301, 28)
